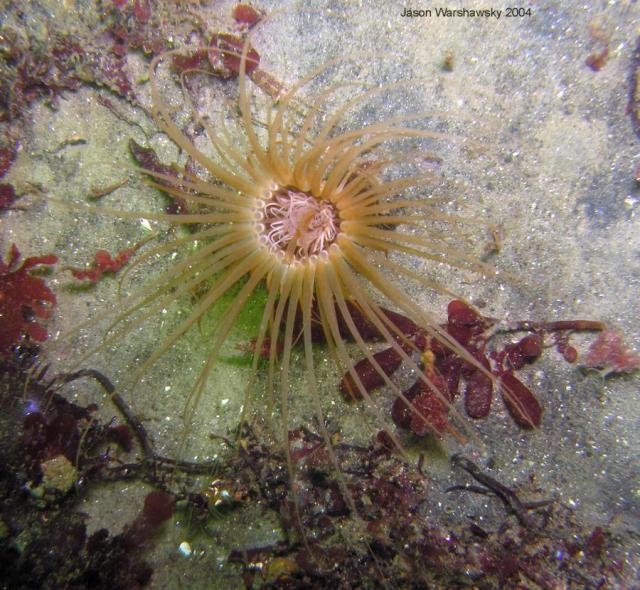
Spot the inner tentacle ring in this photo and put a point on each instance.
(290, 215)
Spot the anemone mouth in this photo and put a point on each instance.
(296, 225)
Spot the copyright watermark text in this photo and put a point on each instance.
(443, 12)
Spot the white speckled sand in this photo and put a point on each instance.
(556, 177)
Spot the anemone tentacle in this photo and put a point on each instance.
(310, 212)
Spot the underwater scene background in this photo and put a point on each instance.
(527, 129)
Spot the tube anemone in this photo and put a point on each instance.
(311, 211)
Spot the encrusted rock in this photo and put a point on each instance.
(58, 474)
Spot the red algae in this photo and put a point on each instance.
(147, 159)
(478, 394)
(7, 195)
(523, 406)
(633, 107)
(25, 300)
(430, 409)
(225, 52)
(245, 14)
(542, 545)
(158, 508)
(142, 11)
(103, 262)
(53, 451)
(445, 371)
(7, 157)
(388, 359)
(610, 353)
